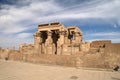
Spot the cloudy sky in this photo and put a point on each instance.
(98, 19)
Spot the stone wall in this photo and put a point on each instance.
(91, 60)
(27, 49)
(112, 54)
(4, 53)
(85, 47)
(113, 48)
(81, 59)
(63, 60)
(15, 55)
(107, 59)
(98, 44)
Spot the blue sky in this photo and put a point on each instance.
(98, 19)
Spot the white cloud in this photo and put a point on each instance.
(13, 17)
(8, 41)
(106, 10)
(47, 11)
(24, 35)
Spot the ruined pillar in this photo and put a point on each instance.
(37, 39)
(37, 42)
(60, 42)
(64, 49)
(62, 33)
(77, 43)
(66, 38)
(48, 43)
(80, 38)
(77, 38)
(49, 38)
(43, 48)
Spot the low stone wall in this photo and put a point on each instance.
(98, 44)
(4, 53)
(112, 54)
(108, 58)
(15, 55)
(64, 60)
(96, 60)
(113, 48)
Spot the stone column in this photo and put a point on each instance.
(66, 38)
(62, 33)
(48, 43)
(60, 42)
(37, 42)
(62, 47)
(80, 38)
(49, 38)
(77, 42)
(37, 39)
(43, 49)
(77, 38)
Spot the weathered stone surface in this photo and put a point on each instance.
(85, 46)
(4, 53)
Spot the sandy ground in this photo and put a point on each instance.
(11, 70)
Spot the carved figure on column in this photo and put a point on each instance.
(49, 38)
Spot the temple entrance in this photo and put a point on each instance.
(55, 36)
(43, 36)
(71, 36)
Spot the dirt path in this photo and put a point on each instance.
(11, 70)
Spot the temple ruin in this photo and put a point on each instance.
(56, 44)
(55, 38)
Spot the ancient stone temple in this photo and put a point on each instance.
(56, 44)
(55, 38)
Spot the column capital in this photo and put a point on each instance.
(37, 34)
(76, 33)
(49, 33)
(63, 32)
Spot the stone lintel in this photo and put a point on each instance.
(43, 25)
(49, 28)
(55, 23)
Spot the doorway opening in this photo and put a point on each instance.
(55, 37)
(44, 36)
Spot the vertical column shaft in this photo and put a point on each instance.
(77, 38)
(49, 38)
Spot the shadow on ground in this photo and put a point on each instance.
(74, 77)
(114, 78)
